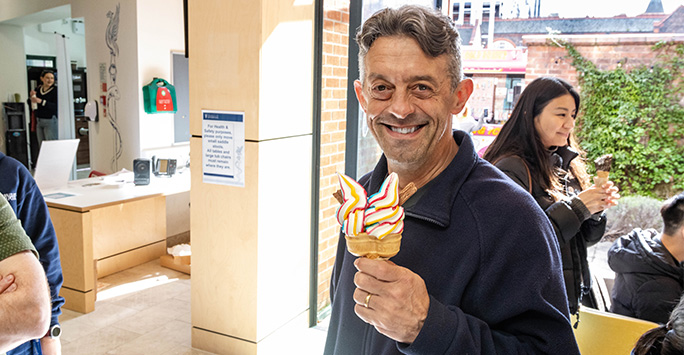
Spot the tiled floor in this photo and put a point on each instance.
(142, 310)
(146, 310)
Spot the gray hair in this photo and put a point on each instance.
(434, 32)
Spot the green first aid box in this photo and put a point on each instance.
(159, 97)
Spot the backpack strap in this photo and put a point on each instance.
(527, 169)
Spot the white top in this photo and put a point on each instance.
(86, 194)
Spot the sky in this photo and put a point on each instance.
(602, 8)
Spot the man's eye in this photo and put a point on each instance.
(381, 92)
(422, 91)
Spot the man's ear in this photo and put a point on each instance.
(358, 89)
(462, 93)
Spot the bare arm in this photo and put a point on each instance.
(24, 312)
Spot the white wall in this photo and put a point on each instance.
(124, 111)
(12, 70)
(157, 36)
(43, 43)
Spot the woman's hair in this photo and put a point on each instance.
(667, 339)
(434, 32)
(46, 71)
(518, 136)
(672, 212)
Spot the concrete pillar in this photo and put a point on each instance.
(250, 245)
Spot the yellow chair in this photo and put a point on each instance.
(604, 333)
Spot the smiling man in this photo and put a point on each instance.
(478, 271)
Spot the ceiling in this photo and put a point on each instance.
(56, 13)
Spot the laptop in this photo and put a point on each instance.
(55, 163)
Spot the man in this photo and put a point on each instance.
(24, 295)
(649, 276)
(22, 193)
(479, 269)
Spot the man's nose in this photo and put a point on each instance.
(401, 106)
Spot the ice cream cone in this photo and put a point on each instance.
(603, 165)
(368, 246)
(601, 178)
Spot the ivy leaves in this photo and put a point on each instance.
(636, 116)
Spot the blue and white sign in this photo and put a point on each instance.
(223, 148)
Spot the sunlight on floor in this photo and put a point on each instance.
(106, 292)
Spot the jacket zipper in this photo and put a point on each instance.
(423, 218)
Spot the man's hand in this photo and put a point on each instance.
(7, 284)
(399, 301)
(51, 346)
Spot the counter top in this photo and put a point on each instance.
(86, 194)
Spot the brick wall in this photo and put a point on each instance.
(333, 128)
(606, 51)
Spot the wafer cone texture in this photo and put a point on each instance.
(365, 245)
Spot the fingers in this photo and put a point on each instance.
(383, 270)
(7, 284)
(11, 288)
(365, 299)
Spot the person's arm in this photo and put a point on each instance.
(24, 312)
(35, 217)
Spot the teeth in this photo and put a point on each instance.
(404, 130)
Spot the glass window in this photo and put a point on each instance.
(368, 152)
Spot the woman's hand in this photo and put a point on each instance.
(598, 198)
(36, 99)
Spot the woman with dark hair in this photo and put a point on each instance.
(44, 103)
(667, 339)
(537, 149)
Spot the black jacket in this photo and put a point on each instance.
(649, 281)
(576, 228)
(490, 263)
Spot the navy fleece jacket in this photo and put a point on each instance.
(490, 262)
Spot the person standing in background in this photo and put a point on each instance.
(45, 100)
(537, 149)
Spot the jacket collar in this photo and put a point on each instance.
(435, 205)
(562, 156)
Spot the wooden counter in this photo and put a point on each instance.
(103, 228)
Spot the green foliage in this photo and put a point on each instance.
(636, 116)
(632, 212)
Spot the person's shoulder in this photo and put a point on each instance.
(489, 185)
(512, 163)
(13, 171)
(10, 164)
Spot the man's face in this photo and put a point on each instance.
(408, 100)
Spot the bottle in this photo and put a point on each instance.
(34, 106)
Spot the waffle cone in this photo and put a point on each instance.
(601, 177)
(368, 246)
